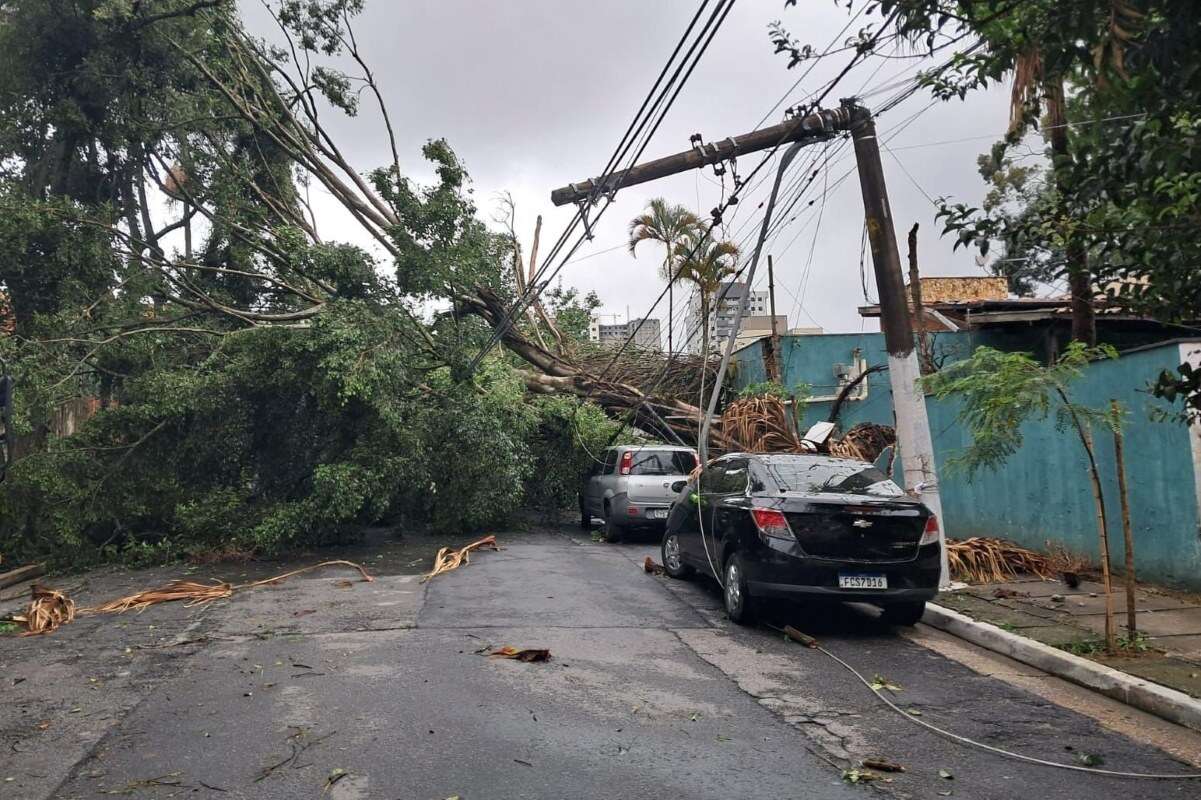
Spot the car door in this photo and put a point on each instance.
(729, 502)
(699, 545)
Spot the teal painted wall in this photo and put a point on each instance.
(1043, 492)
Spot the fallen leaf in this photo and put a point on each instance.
(880, 682)
(946, 775)
(913, 712)
(529, 654)
(860, 775)
(882, 764)
(334, 776)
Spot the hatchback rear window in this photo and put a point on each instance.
(832, 477)
(662, 462)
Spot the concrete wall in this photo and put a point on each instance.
(1043, 492)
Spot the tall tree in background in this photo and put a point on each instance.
(1115, 87)
(668, 225)
(705, 264)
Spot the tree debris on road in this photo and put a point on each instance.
(450, 559)
(528, 655)
(650, 566)
(48, 609)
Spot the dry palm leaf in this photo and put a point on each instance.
(449, 558)
(48, 609)
(193, 593)
(988, 560)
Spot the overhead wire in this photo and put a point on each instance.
(538, 282)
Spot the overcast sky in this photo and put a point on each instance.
(534, 94)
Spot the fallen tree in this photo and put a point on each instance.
(667, 417)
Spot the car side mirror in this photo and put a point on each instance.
(678, 486)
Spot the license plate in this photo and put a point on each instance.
(657, 513)
(862, 581)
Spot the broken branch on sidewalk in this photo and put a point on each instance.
(988, 560)
(449, 558)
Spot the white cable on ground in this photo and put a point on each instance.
(1007, 753)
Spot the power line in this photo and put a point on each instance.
(539, 280)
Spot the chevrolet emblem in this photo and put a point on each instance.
(862, 523)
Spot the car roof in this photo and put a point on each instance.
(675, 448)
(795, 458)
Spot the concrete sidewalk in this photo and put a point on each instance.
(1167, 651)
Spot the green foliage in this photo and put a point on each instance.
(1123, 190)
(1000, 391)
(569, 436)
(798, 391)
(260, 388)
(571, 312)
(1184, 385)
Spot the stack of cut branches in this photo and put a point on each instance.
(761, 424)
(988, 560)
(866, 441)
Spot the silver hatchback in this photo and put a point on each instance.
(631, 487)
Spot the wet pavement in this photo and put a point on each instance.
(324, 686)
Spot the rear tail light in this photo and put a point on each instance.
(930, 535)
(632, 511)
(771, 522)
(627, 458)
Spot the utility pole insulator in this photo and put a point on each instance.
(814, 127)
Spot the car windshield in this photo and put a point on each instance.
(662, 462)
(832, 477)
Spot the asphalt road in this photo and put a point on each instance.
(324, 687)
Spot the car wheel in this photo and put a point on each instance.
(673, 564)
(612, 528)
(735, 592)
(903, 614)
(585, 517)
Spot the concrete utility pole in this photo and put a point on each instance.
(909, 404)
(908, 401)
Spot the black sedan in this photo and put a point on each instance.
(804, 526)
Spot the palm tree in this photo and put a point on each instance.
(668, 225)
(706, 264)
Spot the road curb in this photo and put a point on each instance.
(1170, 704)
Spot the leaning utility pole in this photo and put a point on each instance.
(909, 403)
(908, 400)
(773, 360)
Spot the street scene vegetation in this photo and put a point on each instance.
(200, 371)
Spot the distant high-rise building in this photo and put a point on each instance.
(723, 309)
(645, 333)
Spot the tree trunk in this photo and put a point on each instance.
(671, 282)
(1084, 324)
(1127, 533)
(1086, 439)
